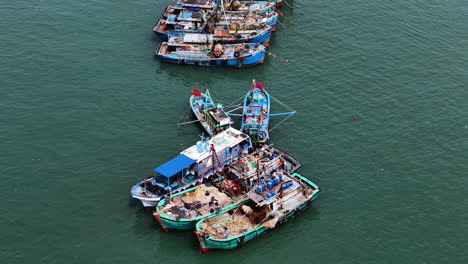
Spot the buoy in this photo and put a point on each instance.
(355, 117)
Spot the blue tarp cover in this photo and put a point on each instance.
(174, 166)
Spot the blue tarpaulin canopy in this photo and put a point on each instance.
(174, 166)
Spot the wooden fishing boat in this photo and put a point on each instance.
(182, 210)
(256, 113)
(211, 54)
(212, 117)
(164, 26)
(202, 24)
(224, 34)
(243, 7)
(270, 204)
(205, 4)
(191, 166)
(251, 167)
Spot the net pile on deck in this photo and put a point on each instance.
(233, 225)
(200, 201)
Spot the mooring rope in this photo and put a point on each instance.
(274, 56)
(183, 114)
(289, 108)
(281, 122)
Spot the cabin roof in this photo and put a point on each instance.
(228, 138)
(174, 166)
(220, 116)
(196, 3)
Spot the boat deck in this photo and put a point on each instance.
(227, 225)
(201, 201)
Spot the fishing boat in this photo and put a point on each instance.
(269, 18)
(191, 166)
(241, 7)
(236, 24)
(182, 210)
(205, 52)
(227, 35)
(164, 26)
(256, 113)
(206, 21)
(255, 116)
(269, 204)
(198, 4)
(250, 168)
(212, 117)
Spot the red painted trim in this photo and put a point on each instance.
(202, 249)
(158, 218)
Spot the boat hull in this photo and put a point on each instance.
(168, 223)
(249, 61)
(152, 201)
(257, 131)
(208, 243)
(162, 35)
(200, 119)
(262, 38)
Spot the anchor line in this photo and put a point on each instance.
(284, 105)
(281, 24)
(280, 123)
(189, 122)
(274, 56)
(184, 114)
(287, 4)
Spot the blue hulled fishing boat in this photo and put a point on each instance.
(224, 34)
(256, 113)
(210, 115)
(234, 7)
(202, 54)
(200, 22)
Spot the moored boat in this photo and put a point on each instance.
(223, 34)
(183, 210)
(256, 113)
(204, 25)
(268, 206)
(211, 54)
(235, 7)
(191, 166)
(250, 168)
(210, 115)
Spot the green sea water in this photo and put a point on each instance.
(87, 111)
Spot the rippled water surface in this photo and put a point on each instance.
(86, 111)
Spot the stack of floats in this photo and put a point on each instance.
(232, 186)
(227, 33)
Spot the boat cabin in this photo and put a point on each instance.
(250, 169)
(192, 165)
(171, 175)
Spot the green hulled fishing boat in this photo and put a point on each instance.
(183, 210)
(266, 208)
